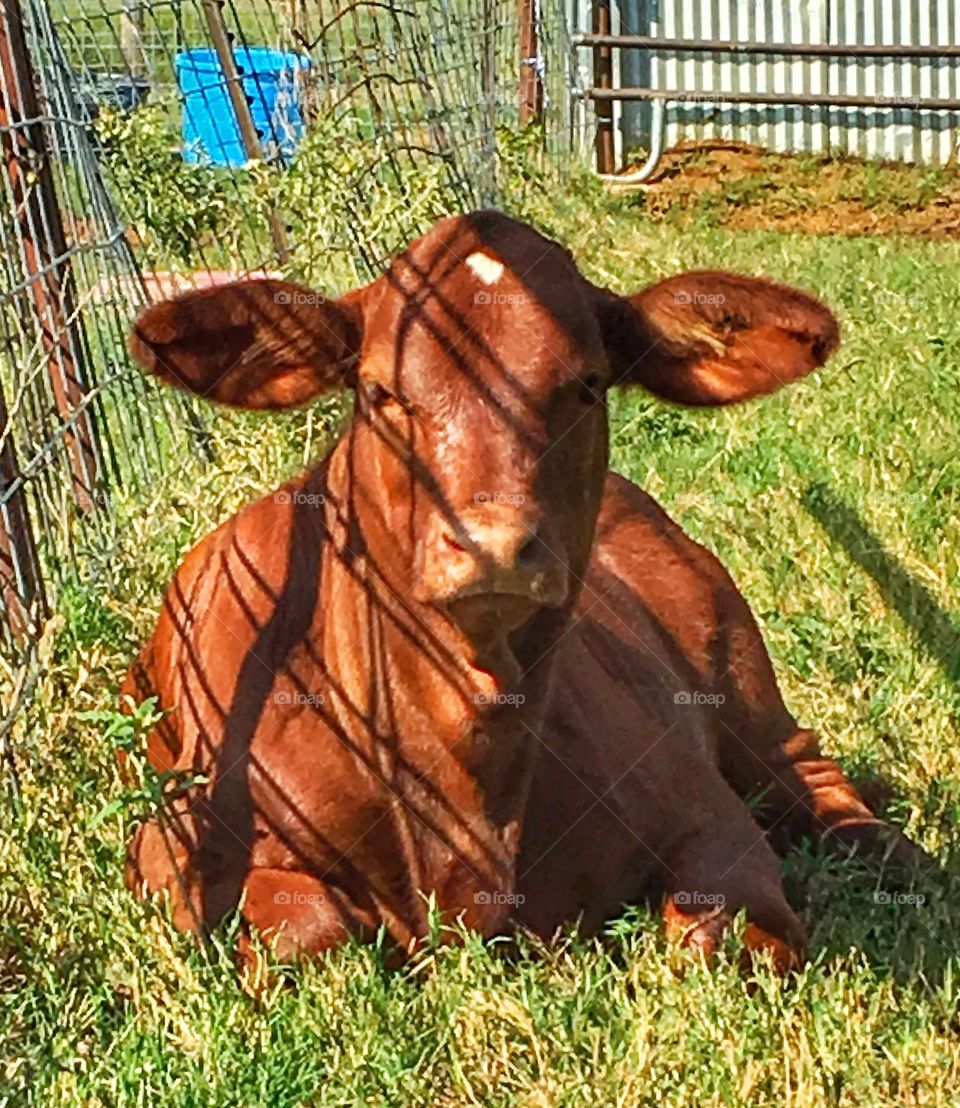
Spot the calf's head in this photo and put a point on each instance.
(480, 360)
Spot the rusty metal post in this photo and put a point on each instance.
(531, 77)
(21, 583)
(488, 84)
(47, 269)
(603, 78)
(241, 109)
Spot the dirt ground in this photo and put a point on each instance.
(740, 186)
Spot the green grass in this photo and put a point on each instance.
(836, 505)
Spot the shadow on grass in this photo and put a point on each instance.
(909, 929)
(936, 631)
(905, 931)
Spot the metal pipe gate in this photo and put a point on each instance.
(879, 80)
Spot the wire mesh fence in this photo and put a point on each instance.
(74, 424)
(360, 98)
(154, 144)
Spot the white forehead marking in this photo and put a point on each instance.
(485, 268)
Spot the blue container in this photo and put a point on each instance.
(211, 134)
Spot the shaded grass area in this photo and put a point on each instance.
(836, 506)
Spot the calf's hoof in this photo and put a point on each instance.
(780, 935)
(883, 847)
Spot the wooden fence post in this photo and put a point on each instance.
(131, 37)
(241, 109)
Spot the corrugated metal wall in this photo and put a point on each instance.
(894, 131)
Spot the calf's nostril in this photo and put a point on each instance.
(453, 543)
(531, 553)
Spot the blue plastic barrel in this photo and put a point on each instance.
(211, 133)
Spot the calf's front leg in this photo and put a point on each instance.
(723, 867)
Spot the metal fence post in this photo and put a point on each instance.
(21, 583)
(45, 261)
(488, 81)
(603, 79)
(531, 74)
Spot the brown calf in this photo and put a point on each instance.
(367, 665)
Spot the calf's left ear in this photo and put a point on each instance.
(710, 338)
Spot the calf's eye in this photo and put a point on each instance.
(373, 393)
(590, 388)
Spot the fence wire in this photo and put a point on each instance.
(398, 97)
(148, 145)
(75, 425)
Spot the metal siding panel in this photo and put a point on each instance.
(877, 119)
(893, 78)
(617, 78)
(724, 123)
(693, 116)
(704, 68)
(795, 76)
(820, 130)
(913, 141)
(671, 29)
(693, 76)
(939, 81)
(778, 81)
(746, 122)
(833, 74)
(929, 82)
(749, 122)
(856, 117)
(658, 77)
(949, 31)
(889, 130)
(767, 75)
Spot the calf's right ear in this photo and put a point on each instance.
(253, 344)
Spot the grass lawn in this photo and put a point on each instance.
(836, 505)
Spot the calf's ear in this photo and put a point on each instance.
(709, 338)
(253, 344)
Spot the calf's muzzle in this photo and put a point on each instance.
(491, 565)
